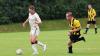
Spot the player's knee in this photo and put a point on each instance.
(34, 42)
(88, 25)
(69, 44)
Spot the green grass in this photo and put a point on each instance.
(55, 40)
(45, 26)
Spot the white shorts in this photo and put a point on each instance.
(35, 31)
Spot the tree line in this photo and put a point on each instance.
(15, 11)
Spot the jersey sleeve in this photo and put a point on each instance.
(77, 23)
(94, 12)
(38, 18)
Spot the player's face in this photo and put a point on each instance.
(69, 18)
(89, 6)
(31, 11)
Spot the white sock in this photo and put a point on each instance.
(34, 48)
(40, 43)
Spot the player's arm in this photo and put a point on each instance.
(88, 14)
(66, 16)
(94, 12)
(25, 22)
(74, 30)
(38, 20)
(77, 28)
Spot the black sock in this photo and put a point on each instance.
(70, 49)
(32, 42)
(95, 30)
(86, 30)
(36, 42)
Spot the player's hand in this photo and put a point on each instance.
(36, 22)
(35, 25)
(69, 33)
(94, 19)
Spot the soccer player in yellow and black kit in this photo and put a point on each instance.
(91, 18)
(74, 32)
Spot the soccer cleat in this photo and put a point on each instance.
(70, 52)
(44, 48)
(95, 32)
(35, 53)
(83, 39)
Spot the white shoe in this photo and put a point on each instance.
(35, 53)
(44, 48)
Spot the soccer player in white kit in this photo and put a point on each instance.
(34, 21)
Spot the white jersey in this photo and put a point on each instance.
(32, 19)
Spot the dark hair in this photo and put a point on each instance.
(69, 13)
(69, 10)
(89, 4)
(31, 7)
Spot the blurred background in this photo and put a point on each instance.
(54, 27)
(13, 12)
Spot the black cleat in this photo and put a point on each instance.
(70, 52)
(83, 39)
(96, 32)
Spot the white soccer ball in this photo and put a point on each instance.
(19, 51)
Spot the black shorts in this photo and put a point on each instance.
(91, 22)
(74, 38)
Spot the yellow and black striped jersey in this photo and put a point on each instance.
(91, 14)
(74, 24)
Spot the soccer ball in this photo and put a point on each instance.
(19, 51)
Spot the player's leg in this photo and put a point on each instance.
(95, 28)
(70, 47)
(70, 50)
(81, 38)
(87, 28)
(94, 23)
(34, 42)
(39, 42)
(42, 45)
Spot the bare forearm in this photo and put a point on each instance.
(26, 21)
(38, 22)
(74, 30)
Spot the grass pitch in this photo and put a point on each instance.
(56, 44)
